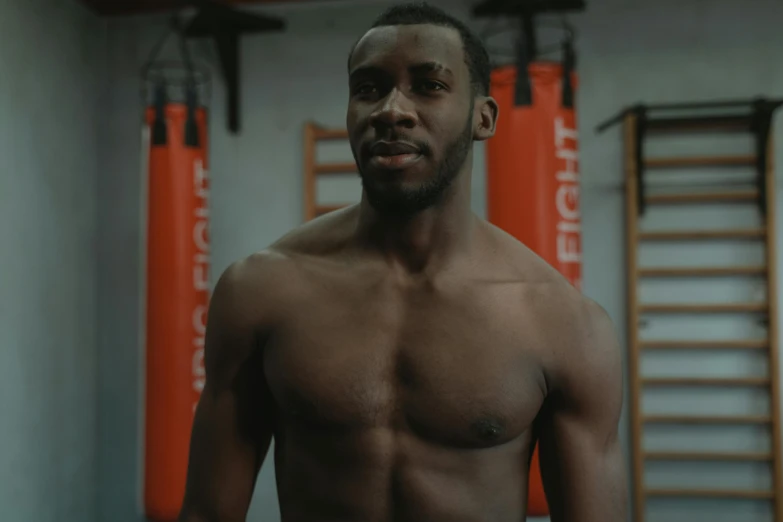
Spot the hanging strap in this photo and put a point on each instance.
(159, 126)
(523, 93)
(191, 127)
(568, 70)
(160, 97)
(191, 94)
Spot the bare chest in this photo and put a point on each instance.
(458, 372)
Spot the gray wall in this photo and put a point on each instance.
(51, 56)
(652, 51)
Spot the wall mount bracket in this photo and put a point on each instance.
(225, 25)
(752, 115)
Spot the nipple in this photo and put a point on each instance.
(488, 429)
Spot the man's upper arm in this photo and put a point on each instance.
(581, 459)
(230, 437)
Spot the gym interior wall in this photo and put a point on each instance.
(71, 222)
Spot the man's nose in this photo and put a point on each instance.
(396, 111)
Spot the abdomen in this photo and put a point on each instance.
(382, 475)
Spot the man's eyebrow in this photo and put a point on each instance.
(429, 67)
(419, 68)
(363, 71)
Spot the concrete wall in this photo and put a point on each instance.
(629, 51)
(51, 57)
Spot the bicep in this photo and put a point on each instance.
(230, 435)
(224, 460)
(582, 464)
(582, 468)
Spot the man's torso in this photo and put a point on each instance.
(408, 400)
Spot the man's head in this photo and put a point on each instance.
(419, 82)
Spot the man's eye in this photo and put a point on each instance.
(364, 88)
(430, 85)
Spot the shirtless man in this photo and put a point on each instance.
(404, 354)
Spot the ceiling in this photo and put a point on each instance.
(128, 7)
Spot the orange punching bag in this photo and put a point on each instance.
(533, 178)
(177, 289)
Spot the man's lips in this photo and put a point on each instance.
(393, 148)
(394, 154)
(397, 161)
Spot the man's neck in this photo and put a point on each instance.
(424, 241)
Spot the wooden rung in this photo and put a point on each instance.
(703, 161)
(702, 271)
(705, 345)
(335, 168)
(679, 235)
(711, 493)
(709, 197)
(320, 210)
(707, 419)
(330, 134)
(703, 308)
(703, 124)
(708, 456)
(705, 381)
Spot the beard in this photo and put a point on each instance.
(404, 201)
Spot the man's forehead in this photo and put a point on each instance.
(416, 43)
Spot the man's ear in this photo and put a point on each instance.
(486, 119)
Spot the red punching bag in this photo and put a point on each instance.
(177, 294)
(533, 180)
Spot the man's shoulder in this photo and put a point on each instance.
(280, 261)
(567, 315)
(523, 264)
(319, 237)
(582, 338)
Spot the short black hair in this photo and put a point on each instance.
(421, 13)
